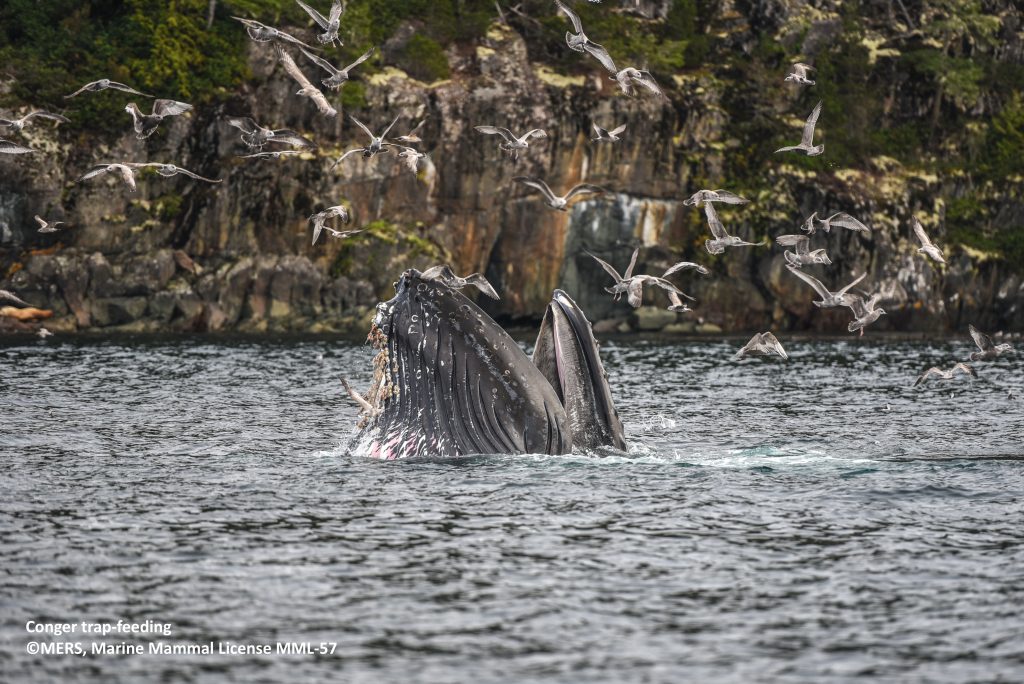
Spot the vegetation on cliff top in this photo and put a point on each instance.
(931, 90)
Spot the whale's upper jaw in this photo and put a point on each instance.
(450, 381)
(567, 355)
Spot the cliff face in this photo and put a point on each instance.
(183, 255)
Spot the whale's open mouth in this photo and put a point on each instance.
(449, 381)
(566, 353)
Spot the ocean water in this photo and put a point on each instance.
(813, 520)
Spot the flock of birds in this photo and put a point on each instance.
(284, 142)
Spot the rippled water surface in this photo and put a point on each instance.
(802, 521)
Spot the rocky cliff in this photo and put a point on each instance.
(182, 255)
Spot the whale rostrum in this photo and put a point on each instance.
(449, 381)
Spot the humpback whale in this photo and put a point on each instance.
(449, 381)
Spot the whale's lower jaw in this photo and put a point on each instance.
(450, 382)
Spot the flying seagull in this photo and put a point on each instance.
(306, 89)
(8, 147)
(721, 238)
(713, 196)
(676, 303)
(276, 154)
(602, 135)
(803, 254)
(552, 200)
(839, 220)
(18, 124)
(330, 24)
(865, 312)
(377, 145)
(512, 144)
(927, 246)
(320, 219)
(255, 136)
(799, 74)
(807, 145)
(580, 43)
(445, 274)
(631, 77)
(411, 157)
(46, 226)
(169, 170)
(146, 124)
(122, 170)
(412, 137)
(103, 84)
(946, 374)
(337, 76)
(987, 349)
(828, 299)
(261, 33)
(761, 344)
(633, 285)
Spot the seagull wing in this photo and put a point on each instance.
(598, 52)
(919, 232)
(573, 17)
(337, 9)
(13, 148)
(292, 69)
(771, 343)
(606, 266)
(584, 189)
(714, 223)
(495, 130)
(729, 197)
(927, 374)
(81, 90)
(317, 17)
(289, 137)
(814, 282)
(844, 220)
(42, 224)
(196, 176)
(619, 130)
(538, 184)
(128, 89)
(983, 341)
(665, 285)
(851, 284)
(644, 78)
(535, 133)
(320, 61)
(632, 264)
(164, 108)
(6, 295)
(682, 266)
(244, 124)
(362, 58)
(47, 115)
(387, 130)
(812, 120)
(964, 368)
(801, 242)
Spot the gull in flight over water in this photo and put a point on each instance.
(602, 135)
(803, 254)
(828, 299)
(103, 84)
(935, 372)
(633, 285)
(927, 246)
(18, 124)
(255, 136)
(512, 144)
(46, 226)
(761, 344)
(330, 24)
(146, 124)
(987, 349)
(807, 145)
(723, 196)
(445, 274)
(337, 76)
(306, 89)
(799, 74)
(721, 238)
(553, 200)
(865, 312)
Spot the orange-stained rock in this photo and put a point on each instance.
(27, 314)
